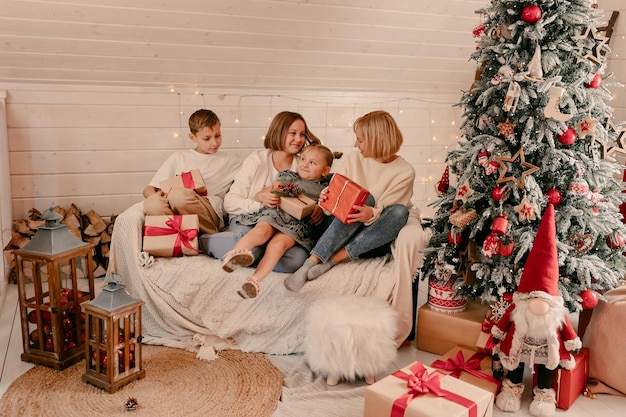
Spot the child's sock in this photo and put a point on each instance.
(296, 280)
(319, 269)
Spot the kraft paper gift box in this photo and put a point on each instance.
(192, 180)
(342, 194)
(469, 366)
(392, 396)
(298, 207)
(171, 236)
(439, 332)
(569, 384)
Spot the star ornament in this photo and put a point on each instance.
(521, 182)
(596, 50)
(467, 258)
(526, 210)
(586, 126)
(464, 191)
(620, 142)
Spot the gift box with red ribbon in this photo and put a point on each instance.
(171, 236)
(421, 391)
(342, 195)
(469, 366)
(298, 207)
(192, 180)
(569, 384)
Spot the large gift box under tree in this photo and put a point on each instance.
(342, 194)
(421, 391)
(169, 236)
(569, 384)
(439, 332)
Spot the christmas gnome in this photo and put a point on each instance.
(535, 329)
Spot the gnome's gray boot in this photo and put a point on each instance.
(544, 402)
(510, 396)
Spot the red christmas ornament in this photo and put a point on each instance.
(455, 238)
(508, 297)
(531, 14)
(506, 249)
(568, 137)
(596, 82)
(497, 193)
(554, 196)
(615, 240)
(589, 299)
(491, 246)
(500, 225)
(444, 182)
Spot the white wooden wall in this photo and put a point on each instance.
(98, 147)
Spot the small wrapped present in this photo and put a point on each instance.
(342, 195)
(192, 180)
(171, 236)
(569, 384)
(439, 332)
(469, 366)
(421, 391)
(299, 207)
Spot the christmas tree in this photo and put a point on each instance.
(537, 130)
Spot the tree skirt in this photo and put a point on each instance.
(176, 384)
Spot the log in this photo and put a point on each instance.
(105, 236)
(36, 224)
(22, 227)
(90, 230)
(96, 221)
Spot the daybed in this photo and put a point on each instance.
(190, 302)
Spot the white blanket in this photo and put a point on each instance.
(190, 302)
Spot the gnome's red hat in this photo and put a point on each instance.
(541, 272)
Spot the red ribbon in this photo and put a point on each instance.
(458, 365)
(188, 182)
(421, 382)
(486, 328)
(175, 226)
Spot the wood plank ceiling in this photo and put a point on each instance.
(407, 46)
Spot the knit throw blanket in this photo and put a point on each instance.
(191, 302)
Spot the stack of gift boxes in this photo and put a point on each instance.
(461, 381)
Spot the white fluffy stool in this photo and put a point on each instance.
(350, 336)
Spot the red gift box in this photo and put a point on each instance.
(192, 180)
(342, 194)
(569, 384)
(170, 236)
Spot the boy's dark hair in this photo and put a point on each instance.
(202, 118)
(280, 126)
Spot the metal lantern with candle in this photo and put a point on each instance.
(60, 267)
(113, 328)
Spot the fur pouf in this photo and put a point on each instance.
(350, 336)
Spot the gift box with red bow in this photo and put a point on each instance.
(170, 236)
(421, 391)
(192, 180)
(342, 194)
(469, 366)
(569, 384)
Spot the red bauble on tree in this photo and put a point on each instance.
(506, 247)
(531, 14)
(589, 299)
(568, 137)
(500, 225)
(497, 193)
(615, 240)
(596, 82)
(491, 246)
(455, 238)
(554, 196)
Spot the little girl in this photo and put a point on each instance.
(278, 229)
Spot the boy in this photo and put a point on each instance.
(217, 172)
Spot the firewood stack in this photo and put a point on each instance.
(90, 227)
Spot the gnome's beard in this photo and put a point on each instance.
(537, 327)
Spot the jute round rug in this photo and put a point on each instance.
(176, 384)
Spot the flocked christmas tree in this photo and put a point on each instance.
(537, 129)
